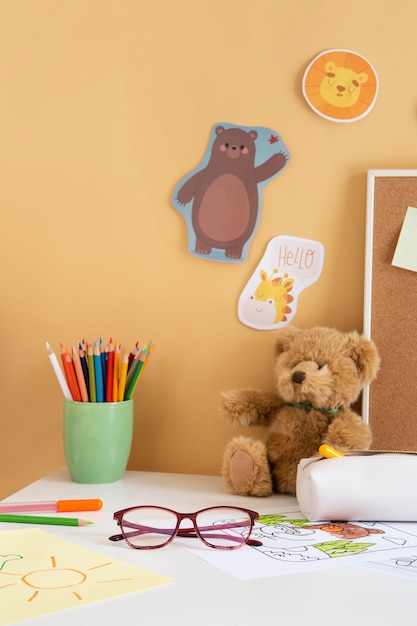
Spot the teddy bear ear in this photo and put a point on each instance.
(284, 338)
(366, 357)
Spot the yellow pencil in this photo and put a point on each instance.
(123, 374)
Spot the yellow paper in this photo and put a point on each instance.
(405, 255)
(40, 573)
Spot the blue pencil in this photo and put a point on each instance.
(98, 373)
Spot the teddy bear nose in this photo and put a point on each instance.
(298, 377)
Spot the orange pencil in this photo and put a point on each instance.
(116, 371)
(123, 372)
(80, 375)
(67, 372)
(75, 390)
(110, 364)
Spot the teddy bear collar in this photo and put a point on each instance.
(308, 407)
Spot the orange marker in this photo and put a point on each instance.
(60, 506)
(329, 453)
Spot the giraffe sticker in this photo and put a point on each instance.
(289, 265)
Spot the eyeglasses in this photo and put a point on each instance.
(221, 527)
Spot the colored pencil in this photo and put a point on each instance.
(122, 379)
(149, 351)
(98, 373)
(109, 372)
(116, 364)
(82, 378)
(133, 365)
(91, 375)
(130, 389)
(38, 519)
(80, 375)
(70, 374)
(103, 355)
(84, 366)
(58, 373)
(132, 355)
(75, 390)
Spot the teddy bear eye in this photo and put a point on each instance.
(242, 146)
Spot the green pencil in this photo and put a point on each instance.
(131, 385)
(38, 519)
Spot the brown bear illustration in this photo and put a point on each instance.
(225, 192)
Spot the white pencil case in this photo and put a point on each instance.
(374, 486)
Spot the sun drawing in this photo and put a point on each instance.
(53, 578)
(340, 85)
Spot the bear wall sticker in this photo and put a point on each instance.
(288, 266)
(220, 200)
(340, 85)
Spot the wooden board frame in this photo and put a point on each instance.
(389, 404)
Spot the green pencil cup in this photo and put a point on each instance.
(97, 440)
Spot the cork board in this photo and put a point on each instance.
(390, 312)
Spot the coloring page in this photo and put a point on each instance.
(292, 544)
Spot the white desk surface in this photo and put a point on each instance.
(201, 594)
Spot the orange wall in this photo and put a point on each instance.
(104, 106)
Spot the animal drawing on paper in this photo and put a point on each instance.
(299, 541)
(269, 304)
(220, 199)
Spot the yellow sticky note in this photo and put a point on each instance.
(40, 574)
(405, 255)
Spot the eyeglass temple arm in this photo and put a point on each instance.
(182, 532)
(249, 542)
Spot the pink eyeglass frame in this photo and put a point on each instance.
(188, 532)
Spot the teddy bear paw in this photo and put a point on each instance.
(246, 468)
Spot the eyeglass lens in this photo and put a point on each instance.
(153, 527)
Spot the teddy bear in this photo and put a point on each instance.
(319, 373)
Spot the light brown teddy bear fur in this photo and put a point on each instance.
(319, 373)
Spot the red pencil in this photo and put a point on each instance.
(110, 367)
(74, 388)
(116, 364)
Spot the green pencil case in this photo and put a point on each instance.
(373, 485)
